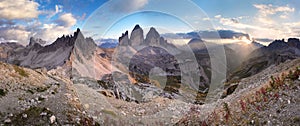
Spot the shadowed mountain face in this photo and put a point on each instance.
(36, 56)
(7, 48)
(277, 52)
(144, 64)
(75, 53)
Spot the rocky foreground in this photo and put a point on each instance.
(35, 97)
(38, 97)
(268, 98)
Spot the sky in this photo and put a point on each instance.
(49, 19)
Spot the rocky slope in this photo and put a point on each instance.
(277, 52)
(257, 100)
(35, 97)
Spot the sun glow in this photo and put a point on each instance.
(246, 40)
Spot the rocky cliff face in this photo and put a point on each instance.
(154, 61)
(39, 41)
(36, 56)
(137, 36)
(75, 53)
(7, 48)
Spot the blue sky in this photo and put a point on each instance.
(49, 19)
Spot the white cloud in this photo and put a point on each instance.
(66, 20)
(266, 11)
(269, 22)
(206, 19)
(50, 32)
(62, 26)
(218, 16)
(18, 33)
(283, 16)
(58, 9)
(127, 5)
(18, 9)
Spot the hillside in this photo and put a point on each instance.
(35, 97)
(257, 100)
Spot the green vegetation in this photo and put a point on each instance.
(293, 75)
(33, 117)
(226, 109)
(2, 92)
(109, 112)
(103, 84)
(139, 77)
(42, 89)
(30, 91)
(21, 71)
(255, 68)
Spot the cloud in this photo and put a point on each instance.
(293, 28)
(4, 23)
(66, 20)
(50, 32)
(18, 9)
(234, 22)
(82, 17)
(58, 9)
(269, 9)
(9, 31)
(267, 23)
(266, 11)
(206, 19)
(124, 6)
(16, 33)
(218, 16)
(19, 21)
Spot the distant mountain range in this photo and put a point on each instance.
(223, 34)
(107, 43)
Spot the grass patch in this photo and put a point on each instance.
(30, 91)
(21, 71)
(109, 112)
(2, 92)
(33, 117)
(42, 89)
(247, 72)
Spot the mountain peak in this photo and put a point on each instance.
(153, 33)
(77, 30)
(294, 42)
(124, 40)
(278, 44)
(36, 41)
(136, 27)
(152, 29)
(137, 36)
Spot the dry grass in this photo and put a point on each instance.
(21, 71)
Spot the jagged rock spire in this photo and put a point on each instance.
(124, 40)
(153, 37)
(137, 36)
